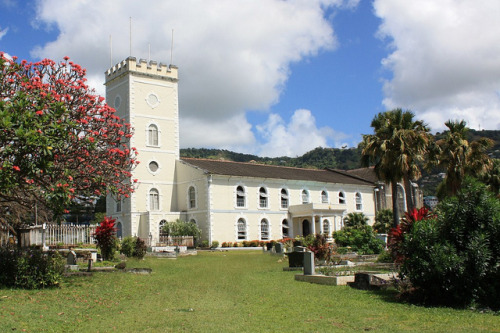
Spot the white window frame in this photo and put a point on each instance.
(151, 140)
(238, 230)
(304, 194)
(154, 204)
(284, 199)
(324, 194)
(287, 227)
(358, 200)
(263, 198)
(342, 198)
(192, 197)
(264, 222)
(238, 197)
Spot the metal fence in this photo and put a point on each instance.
(53, 234)
(171, 241)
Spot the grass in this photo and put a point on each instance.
(240, 291)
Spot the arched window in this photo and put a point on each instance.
(192, 197)
(285, 228)
(240, 197)
(326, 227)
(193, 221)
(154, 199)
(153, 135)
(119, 230)
(284, 198)
(161, 231)
(262, 198)
(341, 198)
(264, 229)
(359, 202)
(305, 197)
(324, 197)
(242, 229)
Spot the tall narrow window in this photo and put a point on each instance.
(326, 227)
(401, 199)
(264, 229)
(242, 229)
(161, 230)
(118, 205)
(154, 199)
(153, 135)
(305, 197)
(285, 228)
(284, 198)
(262, 198)
(192, 197)
(324, 197)
(240, 196)
(341, 198)
(359, 202)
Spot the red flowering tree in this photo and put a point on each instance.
(105, 235)
(396, 235)
(59, 141)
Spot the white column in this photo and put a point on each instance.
(321, 231)
(313, 225)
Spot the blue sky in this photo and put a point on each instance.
(272, 77)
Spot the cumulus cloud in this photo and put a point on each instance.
(295, 138)
(445, 59)
(232, 56)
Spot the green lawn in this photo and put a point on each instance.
(237, 291)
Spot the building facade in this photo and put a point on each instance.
(229, 201)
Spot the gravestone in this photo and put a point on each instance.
(71, 259)
(309, 263)
(278, 248)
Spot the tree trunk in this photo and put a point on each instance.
(395, 211)
(410, 202)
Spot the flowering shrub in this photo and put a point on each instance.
(105, 235)
(30, 269)
(396, 235)
(321, 249)
(59, 140)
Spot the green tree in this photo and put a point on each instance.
(453, 259)
(492, 177)
(383, 221)
(355, 220)
(396, 148)
(459, 157)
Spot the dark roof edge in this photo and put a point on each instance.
(350, 175)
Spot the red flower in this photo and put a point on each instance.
(15, 167)
(39, 112)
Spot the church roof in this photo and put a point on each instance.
(256, 170)
(365, 173)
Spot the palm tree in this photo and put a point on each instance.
(397, 145)
(459, 157)
(355, 220)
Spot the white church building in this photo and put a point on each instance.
(229, 201)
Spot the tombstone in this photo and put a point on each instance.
(71, 259)
(309, 263)
(278, 248)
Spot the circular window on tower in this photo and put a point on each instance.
(153, 100)
(118, 102)
(153, 166)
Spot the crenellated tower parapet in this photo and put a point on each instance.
(143, 68)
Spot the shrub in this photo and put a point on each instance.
(204, 243)
(355, 220)
(224, 244)
(383, 221)
(215, 244)
(181, 228)
(361, 239)
(140, 248)
(30, 269)
(106, 238)
(128, 246)
(321, 249)
(453, 258)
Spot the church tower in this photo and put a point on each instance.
(145, 94)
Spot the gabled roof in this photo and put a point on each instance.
(365, 173)
(255, 170)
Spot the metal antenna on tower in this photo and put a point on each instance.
(172, 48)
(110, 51)
(130, 36)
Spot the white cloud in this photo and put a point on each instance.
(3, 32)
(297, 137)
(233, 56)
(445, 60)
